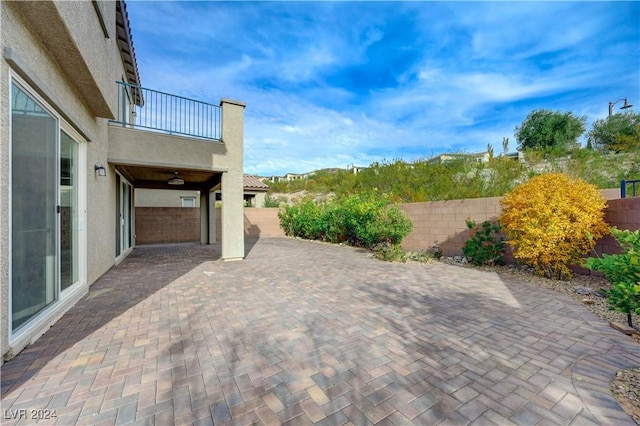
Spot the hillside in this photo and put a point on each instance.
(463, 176)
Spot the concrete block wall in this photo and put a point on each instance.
(440, 222)
(623, 213)
(263, 222)
(443, 222)
(167, 225)
(258, 223)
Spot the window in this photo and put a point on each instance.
(188, 201)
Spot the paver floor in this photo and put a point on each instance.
(308, 333)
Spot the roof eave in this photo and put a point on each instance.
(125, 44)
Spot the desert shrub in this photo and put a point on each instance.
(368, 219)
(362, 220)
(395, 253)
(271, 201)
(551, 221)
(623, 272)
(303, 219)
(486, 245)
(389, 253)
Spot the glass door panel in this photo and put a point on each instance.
(34, 191)
(125, 215)
(69, 243)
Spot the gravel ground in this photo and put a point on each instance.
(626, 384)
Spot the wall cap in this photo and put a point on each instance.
(233, 102)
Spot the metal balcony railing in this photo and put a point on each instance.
(148, 109)
(623, 188)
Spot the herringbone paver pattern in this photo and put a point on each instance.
(307, 333)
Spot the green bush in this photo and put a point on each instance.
(362, 220)
(304, 220)
(486, 245)
(389, 253)
(270, 201)
(623, 272)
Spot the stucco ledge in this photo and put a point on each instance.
(233, 102)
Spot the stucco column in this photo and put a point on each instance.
(232, 186)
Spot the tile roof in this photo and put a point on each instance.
(252, 182)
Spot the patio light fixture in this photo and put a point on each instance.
(175, 180)
(100, 170)
(625, 106)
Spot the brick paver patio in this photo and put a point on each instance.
(303, 332)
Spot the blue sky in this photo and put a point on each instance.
(328, 84)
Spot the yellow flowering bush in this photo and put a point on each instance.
(551, 221)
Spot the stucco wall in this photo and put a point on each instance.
(164, 197)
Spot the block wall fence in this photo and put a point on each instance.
(443, 222)
(439, 222)
(156, 225)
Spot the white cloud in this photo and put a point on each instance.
(329, 84)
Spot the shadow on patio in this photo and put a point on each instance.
(144, 272)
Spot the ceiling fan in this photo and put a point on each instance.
(175, 180)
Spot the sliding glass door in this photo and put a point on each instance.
(34, 193)
(124, 214)
(45, 246)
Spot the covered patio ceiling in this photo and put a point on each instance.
(156, 177)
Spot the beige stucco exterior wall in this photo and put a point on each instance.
(258, 198)
(141, 147)
(47, 76)
(164, 197)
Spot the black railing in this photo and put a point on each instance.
(158, 111)
(623, 188)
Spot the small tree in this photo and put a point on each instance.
(620, 132)
(549, 130)
(551, 221)
(623, 272)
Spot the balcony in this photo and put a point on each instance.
(152, 110)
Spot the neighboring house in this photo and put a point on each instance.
(481, 157)
(254, 191)
(297, 176)
(356, 169)
(79, 137)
